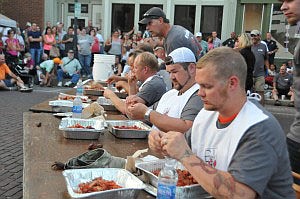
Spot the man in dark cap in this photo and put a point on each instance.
(175, 36)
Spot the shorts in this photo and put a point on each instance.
(283, 91)
(8, 83)
(259, 83)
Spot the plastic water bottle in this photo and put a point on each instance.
(77, 107)
(79, 90)
(167, 180)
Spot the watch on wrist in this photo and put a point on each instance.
(147, 114)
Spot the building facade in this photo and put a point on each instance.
(223, 16)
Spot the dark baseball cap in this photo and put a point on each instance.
(153, 13)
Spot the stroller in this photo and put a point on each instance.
(26, 76)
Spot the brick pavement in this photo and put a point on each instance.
(12, 106)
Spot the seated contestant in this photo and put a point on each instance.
(282, 85)
(70, 68)
(152, 88)
(177, 108)
(7, 78)
(236, 148)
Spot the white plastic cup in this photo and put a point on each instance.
(282, 97)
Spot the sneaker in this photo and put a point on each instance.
(68, 83)
(59, 84)
(277, 103)
(291, 104)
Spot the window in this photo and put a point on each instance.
(185, 16)
(84, 8)
(252, 17)
(122, 17)
(211, 20)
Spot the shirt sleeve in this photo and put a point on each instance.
(192, 107)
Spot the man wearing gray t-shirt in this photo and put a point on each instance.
(152, 88)
(237, 149)
(261, 60)
(175, 36)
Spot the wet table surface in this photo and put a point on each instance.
(44, 144)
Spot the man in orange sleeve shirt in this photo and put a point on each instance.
(8, 83)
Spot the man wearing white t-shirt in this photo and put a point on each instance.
(177, 108)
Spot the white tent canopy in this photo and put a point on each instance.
(5, 21)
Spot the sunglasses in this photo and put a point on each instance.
(169, 60)
(253, 35)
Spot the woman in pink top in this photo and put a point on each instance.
(210, 43)
(49, 40)
(12, 47)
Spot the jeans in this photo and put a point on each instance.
(294, 152)
(36, 55)
(61, 75)
(85, 61)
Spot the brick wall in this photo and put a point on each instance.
(24, 10)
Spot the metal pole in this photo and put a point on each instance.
(75, 32)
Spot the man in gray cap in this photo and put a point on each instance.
(175, 36)
(260, 52)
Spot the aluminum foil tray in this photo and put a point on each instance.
(190, 191)
(63, 96)
(131, 184)
(62, 106)
(80, 133)
(106, 104)
(124, 133)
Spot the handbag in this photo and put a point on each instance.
(54, 52)
(107, 47)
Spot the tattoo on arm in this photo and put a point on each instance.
(187, 153)
(220, 181)
(207, 168)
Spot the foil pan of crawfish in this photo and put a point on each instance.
(102, 183)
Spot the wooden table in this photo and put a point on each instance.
(44, 144)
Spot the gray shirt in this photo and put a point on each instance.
(85, 43)
(295, 128)
(152, 90)
(261, 54)
(178, 37)
(261, 159)
(192, 107)
(283, 81)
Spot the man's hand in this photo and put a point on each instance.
(136, 111)
(113, 79)
(108, 93)
(154, 141)
(133, 99)
(174, 145)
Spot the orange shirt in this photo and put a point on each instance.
(3, 71)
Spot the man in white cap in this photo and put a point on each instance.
(177, 108)
(260, 52)
(175, 36)
(203, 43)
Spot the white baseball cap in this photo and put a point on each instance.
(198, 34)
(181, 55)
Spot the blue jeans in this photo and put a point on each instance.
(36, 55)
(85, 61)
(61, 75)
(294, 152)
